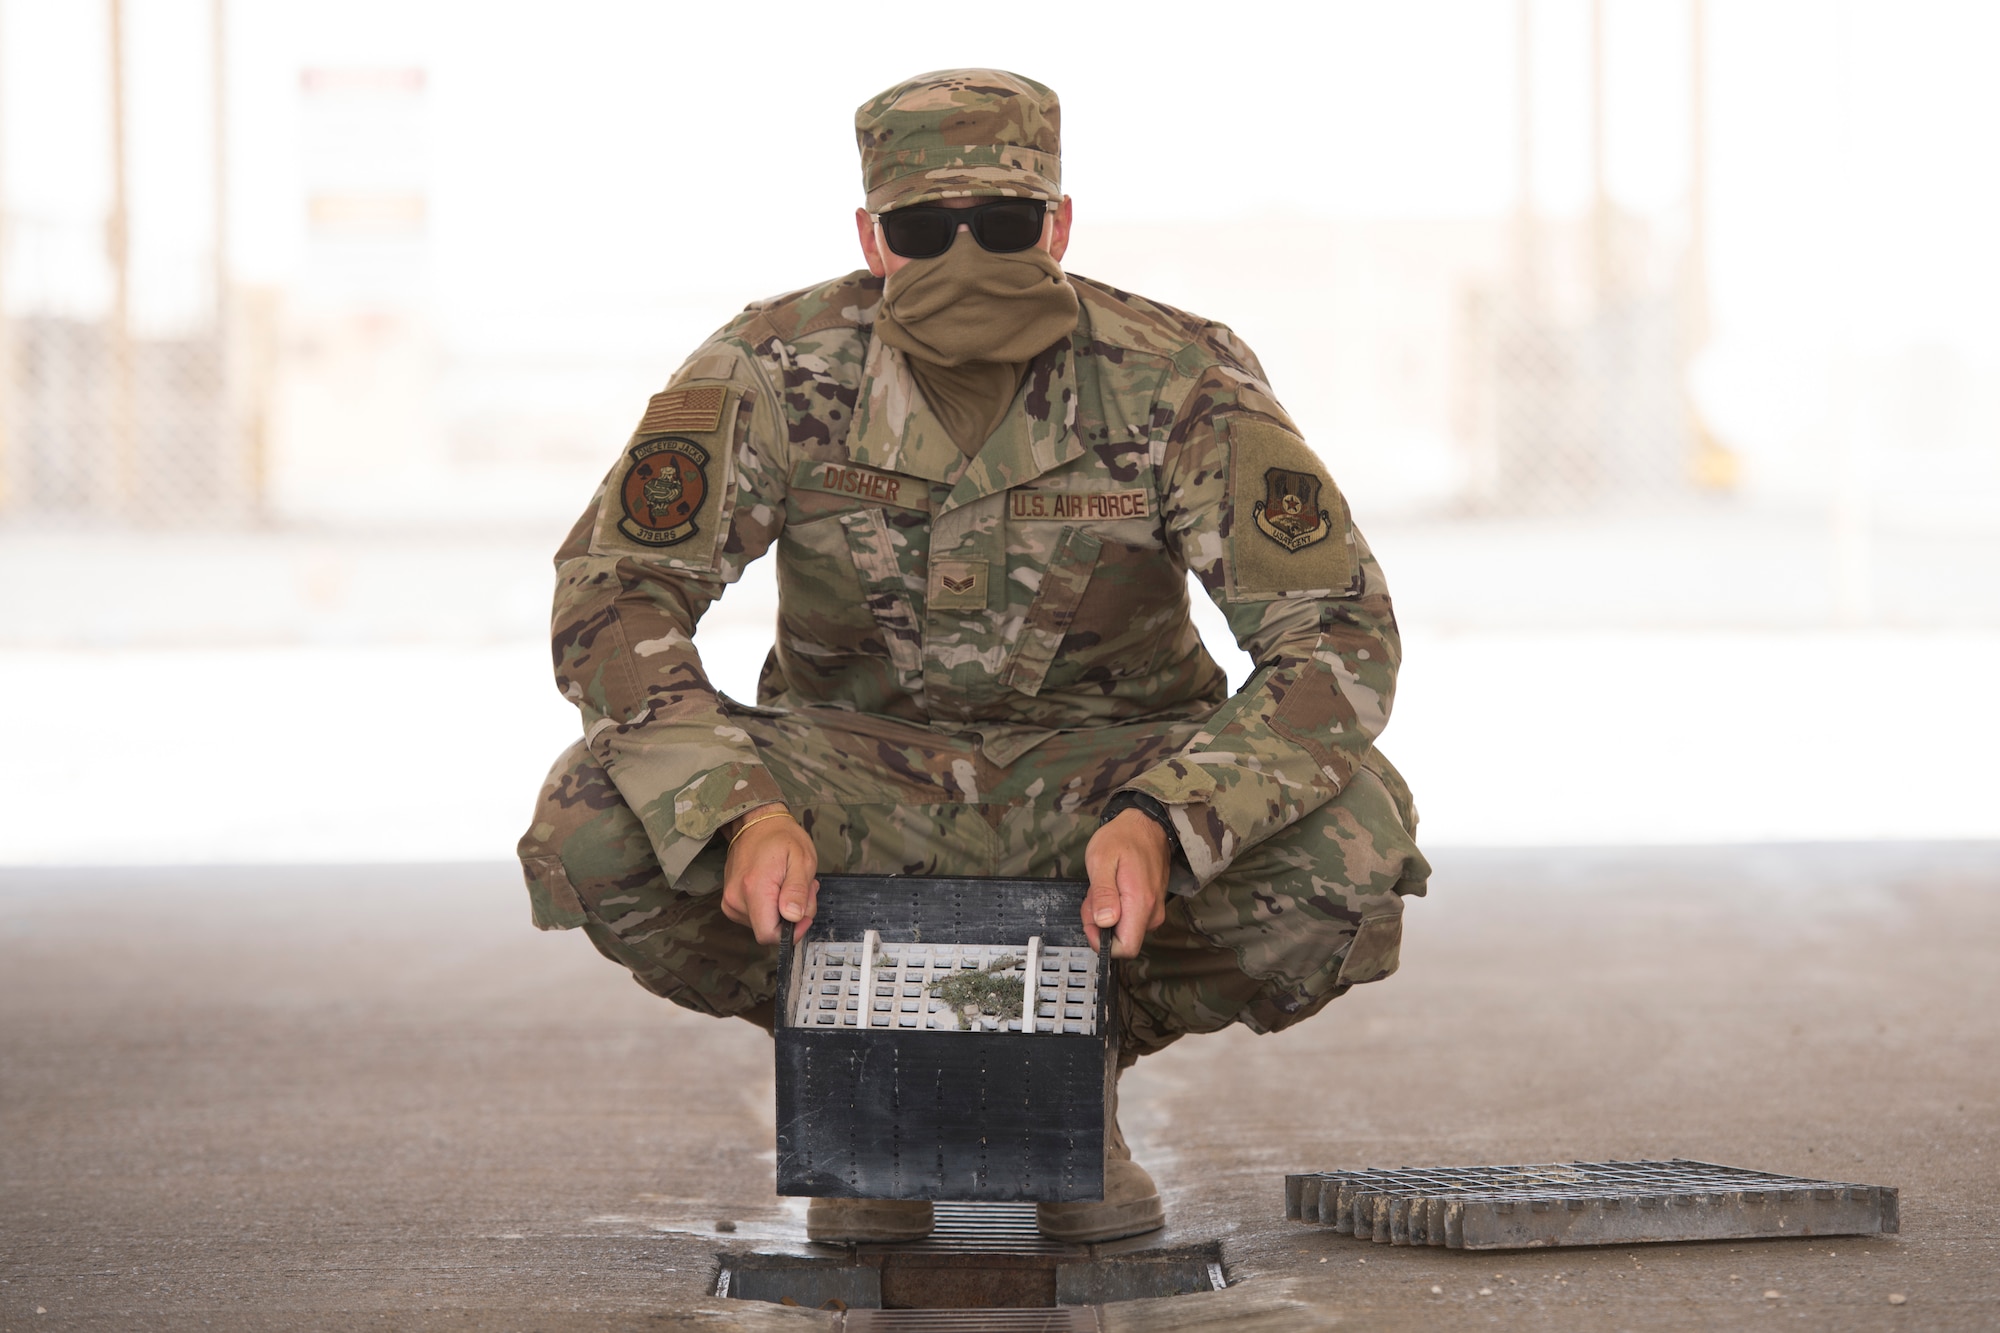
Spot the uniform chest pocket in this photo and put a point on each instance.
(821, 611)
(842, 590)
(1049, 616)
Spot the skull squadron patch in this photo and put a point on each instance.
(1290, 513)
(664, 487)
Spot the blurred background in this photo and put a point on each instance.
(1652, 342)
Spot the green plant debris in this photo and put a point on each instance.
(983, 992)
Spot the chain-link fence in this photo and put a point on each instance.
(127, 429)
(104, 424)
(1571, 407)
(122, 394)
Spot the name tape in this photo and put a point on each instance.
(1077, 504)
(865, 484)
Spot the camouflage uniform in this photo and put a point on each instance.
(973, 655)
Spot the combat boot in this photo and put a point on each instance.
(835, 1221)
(1131, 1204)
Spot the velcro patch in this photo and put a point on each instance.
(1289, 531)
(697, 409)
(666, 485)
(1071, 506)
(670, 493)
(958, 585)
(863, 483)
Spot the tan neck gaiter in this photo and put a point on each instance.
(970, 321)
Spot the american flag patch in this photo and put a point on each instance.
(698, 409)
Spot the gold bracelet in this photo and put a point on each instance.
(745, 827)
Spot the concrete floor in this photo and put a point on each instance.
(375, 1098)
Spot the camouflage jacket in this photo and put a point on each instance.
(1038, 586)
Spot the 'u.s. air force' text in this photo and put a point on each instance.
(1074, 505)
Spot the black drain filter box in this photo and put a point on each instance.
(911, 1062)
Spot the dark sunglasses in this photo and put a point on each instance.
(925, 231)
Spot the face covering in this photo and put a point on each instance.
(970, 321)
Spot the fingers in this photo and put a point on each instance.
(795, 886)
(732, 902)
(1101, 906)
(1135, 900)
(1128, 874)
(761, 887)
(799, 871)
(750, 889)
(812, 910)
(798, 891)
(768, 880)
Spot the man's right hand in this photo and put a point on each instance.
(767, 878)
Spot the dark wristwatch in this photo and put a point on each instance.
(1146, 805)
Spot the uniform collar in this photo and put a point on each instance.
(895, 430)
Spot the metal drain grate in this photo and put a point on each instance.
(1082, 1320)
(899, 977)
(1583, 1203)
(982, 1262)
(984, 1228)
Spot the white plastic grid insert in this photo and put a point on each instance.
(899, 977)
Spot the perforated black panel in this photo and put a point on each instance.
(891, 1113)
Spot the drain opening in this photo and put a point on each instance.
(972, 1321)
(979, 1257)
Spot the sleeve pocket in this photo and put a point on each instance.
(1311, 714)
(1376, 950)
(552, 899)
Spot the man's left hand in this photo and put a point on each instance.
(1127, 861)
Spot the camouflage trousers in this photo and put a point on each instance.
(1291, 923)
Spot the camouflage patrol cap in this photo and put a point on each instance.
(958, 133)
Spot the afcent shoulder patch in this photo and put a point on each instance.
(664, 487)
(1289, 527)
(1290, 513)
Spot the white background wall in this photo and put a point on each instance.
(608, 181)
